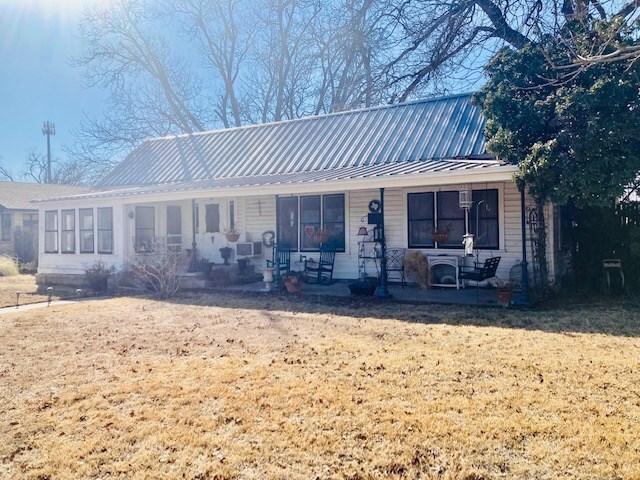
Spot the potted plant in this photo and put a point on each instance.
(504, 290)
(321, 236)
(232, 234)
(293, 281)
(366, 286)
(225, 253)
(441, 233)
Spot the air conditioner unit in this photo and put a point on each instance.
(248, 249)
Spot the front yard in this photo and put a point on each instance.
(29, 291)
(234, 386)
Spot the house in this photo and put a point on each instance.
(290, 179)
(18, 214)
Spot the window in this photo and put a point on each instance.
(30, 222)
(287, 221)
(428, 209)
(450, 216)
(421, 220)
(310, 221)
(212, 217)
(51, 231)
(316, 212)
(5, 225)
(105, 230)
(174, 228)
(68, 236)
(483, 219)
(333, 220)
(85, 218)
(145, 228)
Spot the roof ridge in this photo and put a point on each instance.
(311, 117)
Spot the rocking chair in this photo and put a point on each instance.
(281, 260)
(322, 270)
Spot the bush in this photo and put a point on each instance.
(416, 268)
(97, 276)
(160, 269)
(8, 266)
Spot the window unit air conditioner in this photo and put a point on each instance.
(248, 249)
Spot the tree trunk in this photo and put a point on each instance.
(541, 246)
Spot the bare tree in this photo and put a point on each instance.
(6, 175)
(70, 172)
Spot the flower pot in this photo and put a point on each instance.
(363, 288)
(232, 237)
(321, 237)
(504, 297)
(225, 253)
(293, 287)
(440, 237)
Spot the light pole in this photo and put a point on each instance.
(48, 129)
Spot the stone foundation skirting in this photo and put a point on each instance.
(68, 279)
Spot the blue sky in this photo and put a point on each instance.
(37, 82)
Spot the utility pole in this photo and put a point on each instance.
(48, 129)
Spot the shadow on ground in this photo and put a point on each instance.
(620, 317)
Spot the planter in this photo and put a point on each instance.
(232, 237)
(293, 286)
(225, 253)
(504, 297)
(363, 288)
(441, 237)
(321, 237)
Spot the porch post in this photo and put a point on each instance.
(383, 291)
(194, 254)
(524, 289)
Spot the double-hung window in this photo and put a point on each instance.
(5, 226)
(51, 231)
(145, 228)
(105, 230)
(85, 219)
(300, 219)
(431, 211)
(483, 219)
(68, 236)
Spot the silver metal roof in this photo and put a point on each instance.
(390, 170)
(433, 130)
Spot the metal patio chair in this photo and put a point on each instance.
(480, 272)
(395, 263)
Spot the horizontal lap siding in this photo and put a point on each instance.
(357, 201)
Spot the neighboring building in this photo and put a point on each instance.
(17, 213)
(292, 178)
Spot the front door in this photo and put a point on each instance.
(145, 229)
(174, 228)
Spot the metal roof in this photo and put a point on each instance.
(18, 195)
(439, 129)
(308, 178)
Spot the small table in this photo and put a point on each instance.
(453, 261)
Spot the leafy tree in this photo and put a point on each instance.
(574, 137)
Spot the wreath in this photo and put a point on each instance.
(268, 238)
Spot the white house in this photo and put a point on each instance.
(295, 177)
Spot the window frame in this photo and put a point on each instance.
(299, 224)
(99, 230)
(54, 230)
(81, 230)
(5, 234)
(63, 230)
(436, 246)
(432, 218)
(30, 222)
(472, 222)
(445, 220)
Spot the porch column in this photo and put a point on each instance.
(524, 289)
(194, 252)
(383, 291)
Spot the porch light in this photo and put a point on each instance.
(362, 231)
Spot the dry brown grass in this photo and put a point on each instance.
(257, 388)
(30, 293)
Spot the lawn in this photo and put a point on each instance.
(236, 386)
(29, 291)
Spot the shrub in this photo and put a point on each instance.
(8, 266)
(97, 276)
(416, 268)
(29, 267)
(160, 269)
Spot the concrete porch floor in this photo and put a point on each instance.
(411, 294)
